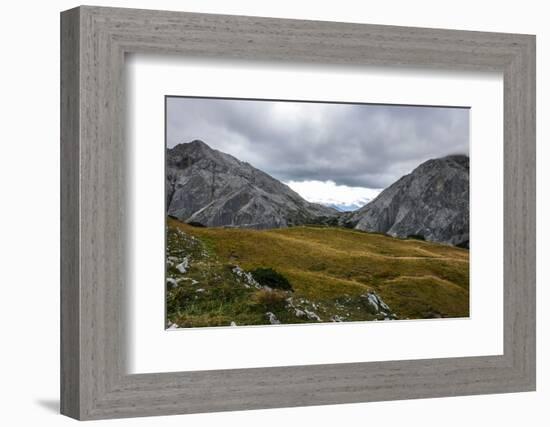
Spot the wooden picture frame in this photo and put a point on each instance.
(94, 41)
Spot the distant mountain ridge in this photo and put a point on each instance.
(212, 188)
(346, 207)
(432, 202)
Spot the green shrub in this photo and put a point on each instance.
(271, 278)
(464, 245)
(416, 237)
(196, 224)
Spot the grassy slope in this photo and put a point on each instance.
(328, 267)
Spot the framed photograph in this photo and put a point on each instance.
(347, 229)
(261, 213)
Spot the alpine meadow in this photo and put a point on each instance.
(288, 212)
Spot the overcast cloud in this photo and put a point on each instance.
(369, 146)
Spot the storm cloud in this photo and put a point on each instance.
(355, 145)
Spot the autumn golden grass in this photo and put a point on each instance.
(417, 279)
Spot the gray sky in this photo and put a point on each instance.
(368, 146)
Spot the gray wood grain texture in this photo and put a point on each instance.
(70, 366)
(94, 382)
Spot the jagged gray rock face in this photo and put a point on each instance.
(214, 189)
(432, 202)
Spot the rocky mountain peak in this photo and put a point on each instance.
(200, 155)
(209, 187)
(453, 161)
(196, 144)
(432, 202)
(213, 188)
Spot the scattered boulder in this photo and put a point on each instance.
(183, 266)
(376, 305)
(246, 277)
(272, 318)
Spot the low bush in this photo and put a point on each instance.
(196, 224)
(271, 278)
(270, 300)
(464, 245)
